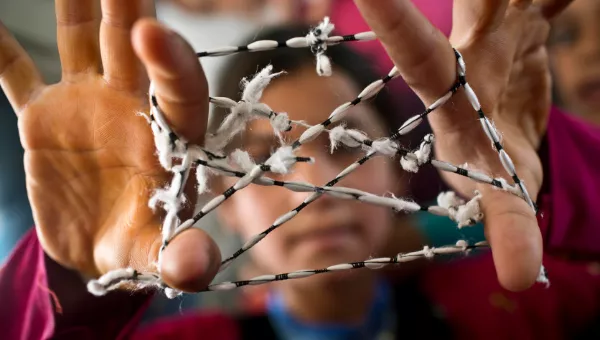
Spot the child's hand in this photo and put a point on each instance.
(90, 159)
(502, 43)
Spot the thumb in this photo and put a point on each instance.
(512, 230)
(190, 261)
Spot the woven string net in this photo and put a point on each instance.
(180, 157)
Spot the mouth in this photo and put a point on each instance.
(589, 92)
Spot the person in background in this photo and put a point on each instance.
(314, 97)
(574, 47)
(92, 215)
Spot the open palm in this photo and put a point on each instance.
(503, 44)
(90, 158)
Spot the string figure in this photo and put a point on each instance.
(180, 157)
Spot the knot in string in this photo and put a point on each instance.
(248, 108)
(317, 40)
(412, 162)
(464, 213)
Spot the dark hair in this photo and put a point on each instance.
(342, 57)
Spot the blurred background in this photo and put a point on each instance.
(574, 51)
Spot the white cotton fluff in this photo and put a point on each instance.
(424, 152)
(282, 160)
(243, 160)
(385, 146)
(409, 164)
(325, 26)
(247, 109)
(542, 277)
(469, 213)
(253, 89)
(319, 42)
(465, 214)
(201, 179)
(348, 137)
(449, 199)
(163, 146)
(281, 122)
(323, 65)
(168, 196)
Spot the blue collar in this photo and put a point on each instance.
(287, 327)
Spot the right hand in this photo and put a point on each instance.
(503, 45)
(90, 160)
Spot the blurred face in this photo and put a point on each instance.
(329, 230)
(575, 54)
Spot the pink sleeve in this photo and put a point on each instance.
(477, 307)
(468, 291)
(41, 300)
(573, 171)
(26, 311)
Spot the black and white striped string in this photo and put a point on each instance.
(452, 206)
(490, 131)
(170, 146)
(375, 263)
(449, 209)
(283, 159)
(317, 39)
(245, 162)
(494, 137)
(411, 161)
(308, 135)
(118, 278)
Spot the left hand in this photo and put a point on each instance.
(503, 45)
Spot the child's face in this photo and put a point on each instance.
(329, 230)
(575, 55)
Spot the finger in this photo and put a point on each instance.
(478, 16)
(122, 68)
(181, 87)
(19, 78)
(422, 53)
(191, 261)
(77, 35)
(551, 8)
(514, 236)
